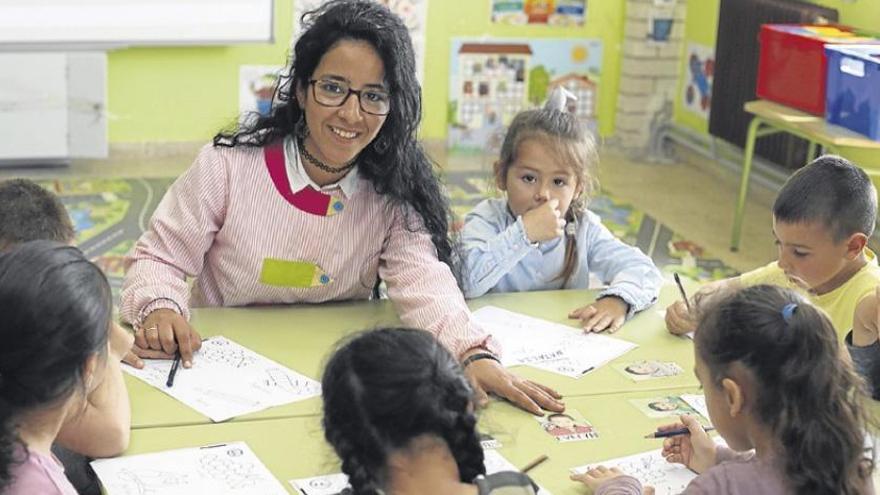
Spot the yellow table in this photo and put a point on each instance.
(773, 118)
(294, 447)
(302, 336)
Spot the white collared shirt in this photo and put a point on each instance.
(299, 179)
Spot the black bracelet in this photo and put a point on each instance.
(477, 356)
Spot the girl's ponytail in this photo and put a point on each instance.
(807, 395)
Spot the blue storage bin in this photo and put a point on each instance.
(852, 97)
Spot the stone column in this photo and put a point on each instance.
(649, 72)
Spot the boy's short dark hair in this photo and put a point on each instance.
(29, 212)
(832, 190)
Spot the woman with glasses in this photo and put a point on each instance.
(316, 202)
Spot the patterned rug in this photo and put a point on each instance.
(110, 214)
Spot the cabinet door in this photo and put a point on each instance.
(33, 107)
(87, 104)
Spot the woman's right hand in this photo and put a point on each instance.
(163, 333)
(679, 320)
(696, 451)
(544, 223)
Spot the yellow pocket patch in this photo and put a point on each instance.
(287, 273)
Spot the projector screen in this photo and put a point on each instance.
(68, 24)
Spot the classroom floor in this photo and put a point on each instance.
(690, 201)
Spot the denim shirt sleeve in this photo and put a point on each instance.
(629, 273)
(491, 248)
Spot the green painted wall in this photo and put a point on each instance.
(702, 23)
(186, 94)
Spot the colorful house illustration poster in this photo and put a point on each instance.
(493, 80)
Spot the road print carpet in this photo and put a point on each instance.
(110, 214)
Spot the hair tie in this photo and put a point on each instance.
(788, 310)
(559, 99)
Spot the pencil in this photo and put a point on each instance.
(532, 465)
(174, 366)
(681, 290)
(674, 433)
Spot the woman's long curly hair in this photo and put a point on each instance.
(382, 389)
(395, 163)
(56, 308)
(807, 395)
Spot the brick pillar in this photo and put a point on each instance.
(649, 72)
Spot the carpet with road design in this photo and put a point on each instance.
(110, 214)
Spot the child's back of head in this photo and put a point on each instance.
(385, 388)
(29, 212)
(805, 395)
(56, 308)
(833, 191)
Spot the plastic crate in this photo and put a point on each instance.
(853, 88)
(792, 66)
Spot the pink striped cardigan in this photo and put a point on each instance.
(228, 220)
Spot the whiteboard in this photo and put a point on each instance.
(50, 24)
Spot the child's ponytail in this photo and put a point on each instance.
(807, 395)
(820, 410)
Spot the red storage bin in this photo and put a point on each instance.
(792, 67)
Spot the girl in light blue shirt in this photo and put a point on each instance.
(542, 236)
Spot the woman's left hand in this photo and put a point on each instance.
(488, 376)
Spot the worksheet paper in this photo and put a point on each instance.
(228, 380)
(332, 484)
(549, 346)
(651, 469)
(225, 469)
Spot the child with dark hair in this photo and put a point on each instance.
(822, 219)
(399, 412)
(29, 212)
(777, 391)
(59, 368)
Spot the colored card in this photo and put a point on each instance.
(569, 426)
(668, 406)
(698, 402)
(640, 371)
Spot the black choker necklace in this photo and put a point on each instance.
(323, 166)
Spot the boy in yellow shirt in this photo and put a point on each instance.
(822, 219)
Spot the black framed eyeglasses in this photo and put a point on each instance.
(334, 93)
